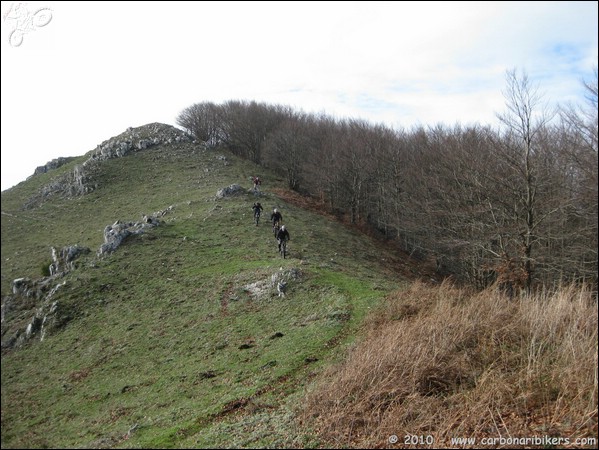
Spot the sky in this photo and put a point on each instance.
(75, 74)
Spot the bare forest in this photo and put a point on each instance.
(512, 205)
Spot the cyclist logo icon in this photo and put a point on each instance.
(24, 21)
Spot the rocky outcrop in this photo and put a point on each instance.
(136, 139)
(63, 260)
(230, 191)
(115, 234)
(277, 283)
(82, 179)
(28, 294)
(51, 165)
(48, 316)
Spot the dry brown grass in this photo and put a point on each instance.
(448, 363)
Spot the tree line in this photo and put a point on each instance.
(515, 205)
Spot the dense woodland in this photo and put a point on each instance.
(514, 205)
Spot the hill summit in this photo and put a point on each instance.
(82, 178)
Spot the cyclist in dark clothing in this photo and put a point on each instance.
(276, 218)
(282, 235)
(257, 209)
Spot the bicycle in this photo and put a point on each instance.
(257, 208)
(275, 228)
(283, 248)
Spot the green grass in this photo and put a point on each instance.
(164, 338)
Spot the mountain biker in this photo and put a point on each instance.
(257, 182)
(276, 217)
(257, 209)
(282, 235)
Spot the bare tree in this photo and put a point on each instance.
(385, 199)
(578, 145)
(287, 147)
(525, 120)
(202, 120)
(583, 121)
(246, 125)
(321, 178)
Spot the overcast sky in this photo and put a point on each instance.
(78, 73)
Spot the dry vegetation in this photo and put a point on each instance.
(445, 363)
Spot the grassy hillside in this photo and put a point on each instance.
(178, 338)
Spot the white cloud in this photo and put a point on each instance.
(100, 67)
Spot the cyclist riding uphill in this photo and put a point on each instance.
(276, 217)
(282, 235)
(257, 208)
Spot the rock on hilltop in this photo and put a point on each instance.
(140, 138)
(80, 180)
